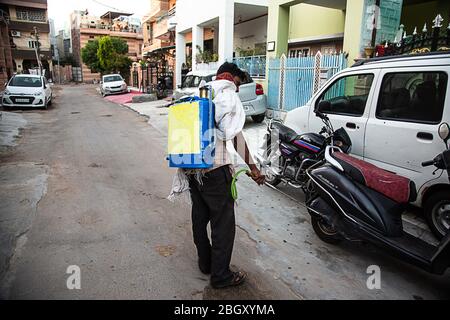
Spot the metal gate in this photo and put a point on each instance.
(292, 81)
(135, 79)
(77, 74)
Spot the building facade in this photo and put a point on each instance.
(300, 27)
(85, 28)
(62, 44)
(29, 29)
(238, 28)
(6, 61)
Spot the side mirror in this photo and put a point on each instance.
(444, 132)
(101, 82)
(322, 105)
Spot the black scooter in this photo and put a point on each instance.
(354, 200)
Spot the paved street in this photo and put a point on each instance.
(86, 185)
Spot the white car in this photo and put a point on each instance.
(26, 90)
(392, 108)
(251, 94)
(112, 84)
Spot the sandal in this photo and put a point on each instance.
(237, 279)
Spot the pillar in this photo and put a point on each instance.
(180, 43)
(19, 65)
(197, 41)
(226, 33)
(278, 28)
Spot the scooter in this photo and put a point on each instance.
(354, 200)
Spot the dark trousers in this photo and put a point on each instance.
(212, 203)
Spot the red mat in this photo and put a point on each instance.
(122, 98)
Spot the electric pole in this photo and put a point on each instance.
(38, 49)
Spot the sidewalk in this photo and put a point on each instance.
(22, 186)
(10, 124)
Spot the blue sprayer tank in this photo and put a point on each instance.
(191, 139)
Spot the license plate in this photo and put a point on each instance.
(22, 100)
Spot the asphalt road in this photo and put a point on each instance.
(105, 211)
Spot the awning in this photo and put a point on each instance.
(157, 50)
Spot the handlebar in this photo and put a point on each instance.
(428, 163)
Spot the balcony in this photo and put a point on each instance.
(172, 19)
(27, 26)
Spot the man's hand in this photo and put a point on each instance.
(256, 175)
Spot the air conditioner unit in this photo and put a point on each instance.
(15, 33)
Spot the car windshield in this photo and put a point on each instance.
(192, 81)
(33, 82)
(112, 78)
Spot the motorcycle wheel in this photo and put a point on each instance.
(437, 213)
(324, 231)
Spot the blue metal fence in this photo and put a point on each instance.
(254, 65)
(292, 81)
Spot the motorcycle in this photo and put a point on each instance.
(163, 86)
(287, 155)
(354, 200)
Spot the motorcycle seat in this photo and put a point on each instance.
(286, 134)
(398, 188)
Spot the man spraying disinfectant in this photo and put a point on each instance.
(211, 188)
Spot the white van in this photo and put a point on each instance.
(392, 107)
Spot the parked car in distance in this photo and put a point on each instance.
(112, 84)
(392, 108)
(26, 90)
(251, 94)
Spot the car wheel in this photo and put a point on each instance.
(50, 101)
(437, 213)
(259, 118)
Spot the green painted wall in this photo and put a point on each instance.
(308, 20)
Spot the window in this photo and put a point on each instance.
(32, 44)
(31, 15)
(412, 96)
(347, 95)
(298, 53)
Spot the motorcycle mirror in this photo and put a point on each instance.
(444, 132)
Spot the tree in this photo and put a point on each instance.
(89, 56)
(107, 55)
